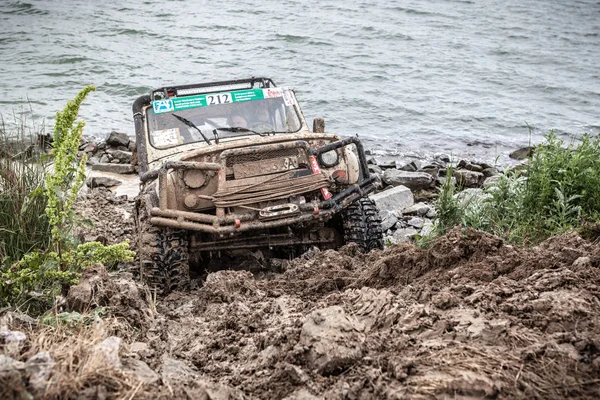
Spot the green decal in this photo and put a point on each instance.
(203, 100)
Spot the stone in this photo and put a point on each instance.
(115, 161)
(396, 198)
(443, 157)
(427, 228)
(140, 371)
(11, 374)
(431, 169)
(101, 181)
(90, 148)
(416, 222)
(302, 394)
(334, 340)
(491, 181)
(137, 347)
(488, 172)
(117, 139)
(132, 146)
(374, 169)
(386, 164)
(114, 168)
(412, 180)
(411, 166)
(104, 159)
(522, 153)
(431, 213)
(93, 160)
(39, 368)
(404, 235)
(106, 354)
(175, 373)
(80, 296)
(466, 178)
(471, 195)
(388, 219)
(371, 160)
(418, 209)
(12, 341)
(469, 166)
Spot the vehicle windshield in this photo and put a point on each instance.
(211, 117)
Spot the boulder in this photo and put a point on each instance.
(101, 181)
(411, 166)
(419, 209)
(39, 368)
(140, 371)
(332, 339)
(404, 235)
(388, 219)
(416, 222)
(117, 139)
(114, 168)
(466, 178)
(123, 156)
(471, 195)
(302, 394)
(12, 341)
(412, 180)
(396, 198)
(105, 354)
(522, 153)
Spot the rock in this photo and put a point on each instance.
(471, 195)
(488, 172)
(467, 178)
(374, 169)
(334, 340)
(140, 371)
(404, 235)
(412, 180)
(114, 168)
(80, 296)
(132, 146)
(39, 368)
(90, 148)
(396, 198)
(97, 181)
(386, 164)
(117, 139)
(115, 161)
(105, 354)
(469, 166)
(443, 157)
(176, 373)
(388, 219)
(427, 228)
(11, 377)
(419, 209)
(93, 160)
(302, 394)
(431, 213)
(295, 373)
(416, 222)
(371, 160)
(491, 181)
(431, 169)
(411, 166)
(522, 153)
(104, 159)
(137, 347)
(12, 341)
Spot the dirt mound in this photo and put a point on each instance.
(469, 318)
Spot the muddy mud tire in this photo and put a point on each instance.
(163, 253)
(362, 225)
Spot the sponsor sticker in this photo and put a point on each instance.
(162, 106)
(203, 100)
(166, 137)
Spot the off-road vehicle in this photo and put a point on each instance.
(231, 166)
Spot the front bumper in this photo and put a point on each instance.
(222, 224)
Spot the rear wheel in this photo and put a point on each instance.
(163, 253)
(362, 225)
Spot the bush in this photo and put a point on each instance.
(40, 275)
(557, 191)
(24, 225)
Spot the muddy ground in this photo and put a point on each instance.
(469, 318)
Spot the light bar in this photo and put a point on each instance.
(210, 89)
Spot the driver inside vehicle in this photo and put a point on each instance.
(238, 121)
(261, 121)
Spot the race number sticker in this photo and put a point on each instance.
(221, 98)
(166, 137)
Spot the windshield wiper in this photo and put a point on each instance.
(239, 129)
(192, 125)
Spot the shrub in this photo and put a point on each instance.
(557, 192)
(24, 225)
(40, 275)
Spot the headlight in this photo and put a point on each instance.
(329, 159)
(194, 178)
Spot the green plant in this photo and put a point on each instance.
(24, 225)
(40, 275)
(555, 192)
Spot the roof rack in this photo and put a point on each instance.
(211, 87)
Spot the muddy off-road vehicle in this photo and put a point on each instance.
(231, 166)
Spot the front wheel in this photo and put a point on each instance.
(362, 225)
(163, 253)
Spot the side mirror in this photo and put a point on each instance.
(319, 125)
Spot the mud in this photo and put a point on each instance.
(469, 318)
